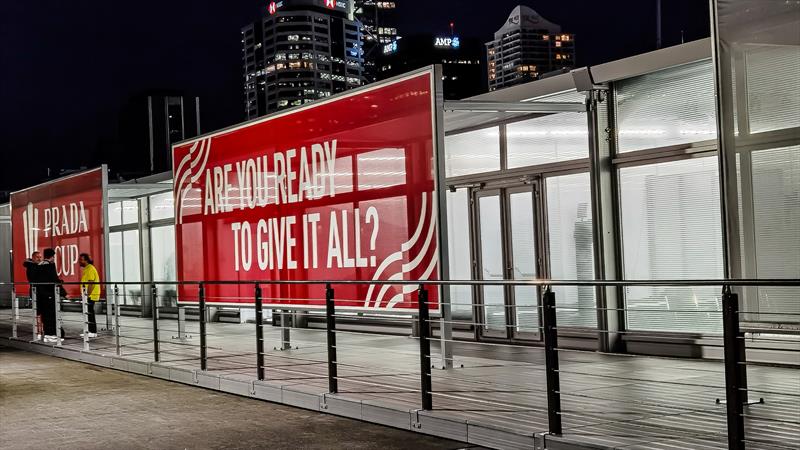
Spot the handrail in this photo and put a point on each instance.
(782, 282)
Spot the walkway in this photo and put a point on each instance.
(48, 402)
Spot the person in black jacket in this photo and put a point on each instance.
(30, 269)
(45, 280)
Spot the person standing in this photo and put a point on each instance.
(30, 269)
(46, 281)
(90, 283)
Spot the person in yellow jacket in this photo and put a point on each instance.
(90, 283)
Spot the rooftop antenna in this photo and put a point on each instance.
(452, 28)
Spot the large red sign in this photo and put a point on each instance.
(66, 215)
(342, 189)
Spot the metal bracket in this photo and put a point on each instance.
(415, 422)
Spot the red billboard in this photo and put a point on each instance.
(342, 189)
(66, 215)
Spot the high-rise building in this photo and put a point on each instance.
(378, 31)
(526, 47)
(149, 124)
(300, 51)
(460, 58)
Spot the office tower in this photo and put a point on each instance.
(300, 51)
(378, 31)
(526, 47)
(149, 124)
(460, 58)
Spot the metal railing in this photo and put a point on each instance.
(146, 342)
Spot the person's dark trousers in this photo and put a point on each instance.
(90, 316)
(47, 306)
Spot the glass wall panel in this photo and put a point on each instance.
(671, 231)
(162, 257)
(523, 252)
(116, 271)
(492, 264)
(472, 152)
(132, 266)
(668, 107)
(460, 258)
(547, 139)
(162, 206)
(776, 220)
(130, 212)
(114, 214)
(569, 221)
(773, 89)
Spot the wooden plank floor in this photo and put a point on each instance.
(618, 401)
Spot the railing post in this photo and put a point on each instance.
(259, 334)
(59, 320)
(733, 380)
(330, 322)
(85, 309)
(14, 312)
(36, 335)
(201, 298)
(117, 310)
(551, 362)
(426, 386)
(154, 303)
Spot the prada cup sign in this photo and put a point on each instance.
(65, 215)
(343, 189)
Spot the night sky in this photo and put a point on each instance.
(66, 67)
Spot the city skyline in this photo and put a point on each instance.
(72, 76)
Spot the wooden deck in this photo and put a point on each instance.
(616, 401)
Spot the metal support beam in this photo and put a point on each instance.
(330, 321)
(605, 224)
(426, 385)
(259, 334)
(201, 301)
(734, 384)
(154, 309)
(551, 362)
(521, 107)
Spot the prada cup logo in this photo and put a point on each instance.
(30, 224)
(188, 172)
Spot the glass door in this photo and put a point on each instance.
(507, 248)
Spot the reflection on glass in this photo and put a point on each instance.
(162, 254)
(114, 214)
(130, 212)
(523, 249)
(381, 168)
(492, 262)
(669, 107)
(162, 206)
(472, 152)
(569, 221)
(671, 230)
(459, 252)
(132, 266)
(547, 139)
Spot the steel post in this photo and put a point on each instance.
(154, 308)
(426, 385)
(14, 313)
(36, 335)
(330, 322)
(85, 308)
(259, 333)
(551, 362)
(59, 319)
(201, 298)
(733, 381)
(117, 310)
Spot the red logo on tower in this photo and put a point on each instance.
(343, 189)
(273, 8)
(330, 4)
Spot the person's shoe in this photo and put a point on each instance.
(50, 339)
(90, 335)
(38, 337)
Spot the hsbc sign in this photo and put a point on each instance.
(305, 195)
(65, 215)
